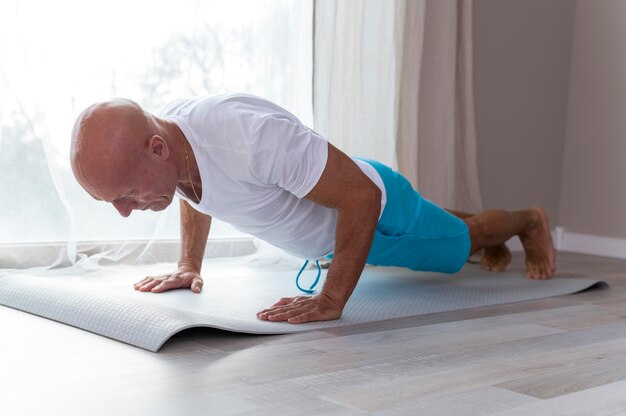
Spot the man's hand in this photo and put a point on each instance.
(302, 309)
(184, 277)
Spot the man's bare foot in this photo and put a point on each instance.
(495, 258)
(538, 247)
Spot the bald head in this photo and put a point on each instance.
(112, 130)
(116, 147)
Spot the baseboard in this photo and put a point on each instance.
(581, 243)
(596, 245)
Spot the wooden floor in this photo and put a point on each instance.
(560, 356)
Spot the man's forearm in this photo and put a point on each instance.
(356, 224)
(195, 228)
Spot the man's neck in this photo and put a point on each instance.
(189, 182)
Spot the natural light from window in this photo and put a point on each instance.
(57, 57)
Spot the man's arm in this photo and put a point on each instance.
(195, 228)
(357, 199)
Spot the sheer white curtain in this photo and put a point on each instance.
(393, 81)
(357, 63)
(58, 57)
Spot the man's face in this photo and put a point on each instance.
(117, 157)
(142, 195)
(143, 185)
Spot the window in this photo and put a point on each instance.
(58, 57)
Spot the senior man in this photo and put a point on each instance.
(251, 163)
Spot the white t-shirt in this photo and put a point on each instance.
(257, 162)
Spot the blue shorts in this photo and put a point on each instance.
(415, 233)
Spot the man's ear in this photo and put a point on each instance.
(158, 148)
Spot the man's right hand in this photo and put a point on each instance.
(185, 277)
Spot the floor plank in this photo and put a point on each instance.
(605, 400)
(569, 380)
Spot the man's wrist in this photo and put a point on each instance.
(329, 298)
(189, 266)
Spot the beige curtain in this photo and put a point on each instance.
(393, 81)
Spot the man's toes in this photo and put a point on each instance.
(539, 271)
(490, 267)
(536, 276)
(495, 259)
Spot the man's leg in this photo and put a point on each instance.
(494, 258)
(493, 227)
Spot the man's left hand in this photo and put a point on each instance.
(300, 309)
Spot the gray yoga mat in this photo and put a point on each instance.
(105, 303)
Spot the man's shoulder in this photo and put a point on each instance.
(182, 106)
(222, 106)
(244, 104)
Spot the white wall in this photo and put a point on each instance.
(593, 197)
(522, 52)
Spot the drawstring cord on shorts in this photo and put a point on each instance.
(310, 290)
